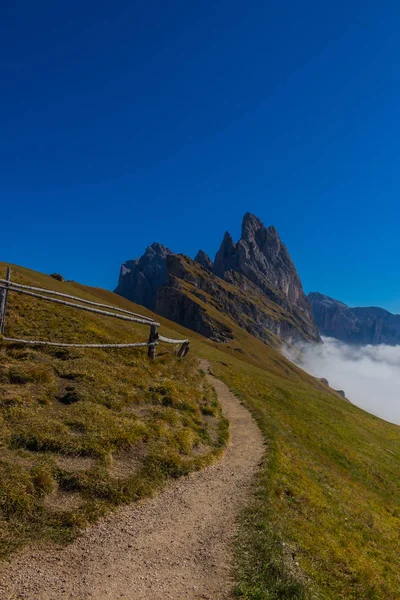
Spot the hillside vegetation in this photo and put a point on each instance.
(82, 430)
(325, 517)
(325, 520)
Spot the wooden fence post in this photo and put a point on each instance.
(153, 337)
(3, 303)
(184, 349)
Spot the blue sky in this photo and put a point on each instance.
(125, 123)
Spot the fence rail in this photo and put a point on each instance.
(63, 345)
(6, 286)
(7, 283)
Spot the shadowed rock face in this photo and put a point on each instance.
(173, 302)
(259, 270)
(358, 325)
(140, 279)
(204, 260)
(226, 257)
(190, 291)
(261, 256)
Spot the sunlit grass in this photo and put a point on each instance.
(324, 518)
(82, 431)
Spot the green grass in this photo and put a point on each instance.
(82, 431)
(324, 518)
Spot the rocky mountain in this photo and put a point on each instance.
(204, 260)
(261, 256)
(140, 279)
(253, 283)
(358, 325)
(201, 301)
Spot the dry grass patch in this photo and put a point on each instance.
(325, 517)
(82, 431)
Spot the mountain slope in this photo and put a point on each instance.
(214, 307)
(359, 325)
(328, 497)
(82, 430)
(325, 517)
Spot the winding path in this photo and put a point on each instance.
(176, 545)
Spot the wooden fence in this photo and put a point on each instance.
(7, 286)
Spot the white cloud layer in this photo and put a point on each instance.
(370, 375)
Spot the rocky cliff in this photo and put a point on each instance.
(263, 259)
(213, 307)
(358, 325)
(254, 283)
(204, 260)
(140, 279)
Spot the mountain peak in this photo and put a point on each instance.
(158, 249)
(225, 259)
(259, 259)
(228, 239)
(140, 278)
(257, 235)
(250, 218)
(354, 325)
(273, 232)
(250, 225)
(204, 260)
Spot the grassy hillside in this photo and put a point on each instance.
(326, 518)
(324, 521)
(84, 430)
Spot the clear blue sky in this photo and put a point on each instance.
(124, 123)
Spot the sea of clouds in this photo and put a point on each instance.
(370, 375)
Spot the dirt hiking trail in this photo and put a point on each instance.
(176, 545)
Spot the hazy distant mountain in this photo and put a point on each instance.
(253, 282)
(358, 325)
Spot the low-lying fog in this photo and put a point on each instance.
(370, 375)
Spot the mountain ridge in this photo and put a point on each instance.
(258, 265)
(355, 325)
(140, 278)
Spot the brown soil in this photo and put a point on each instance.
(176, 545)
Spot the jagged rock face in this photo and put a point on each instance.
(358, 325)
(254, 282)
(140, 279)
(173, 303)
(241, 300)
(333, 318)
(204, 260)
(264, 259)
(226, 257)
(261, 256)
